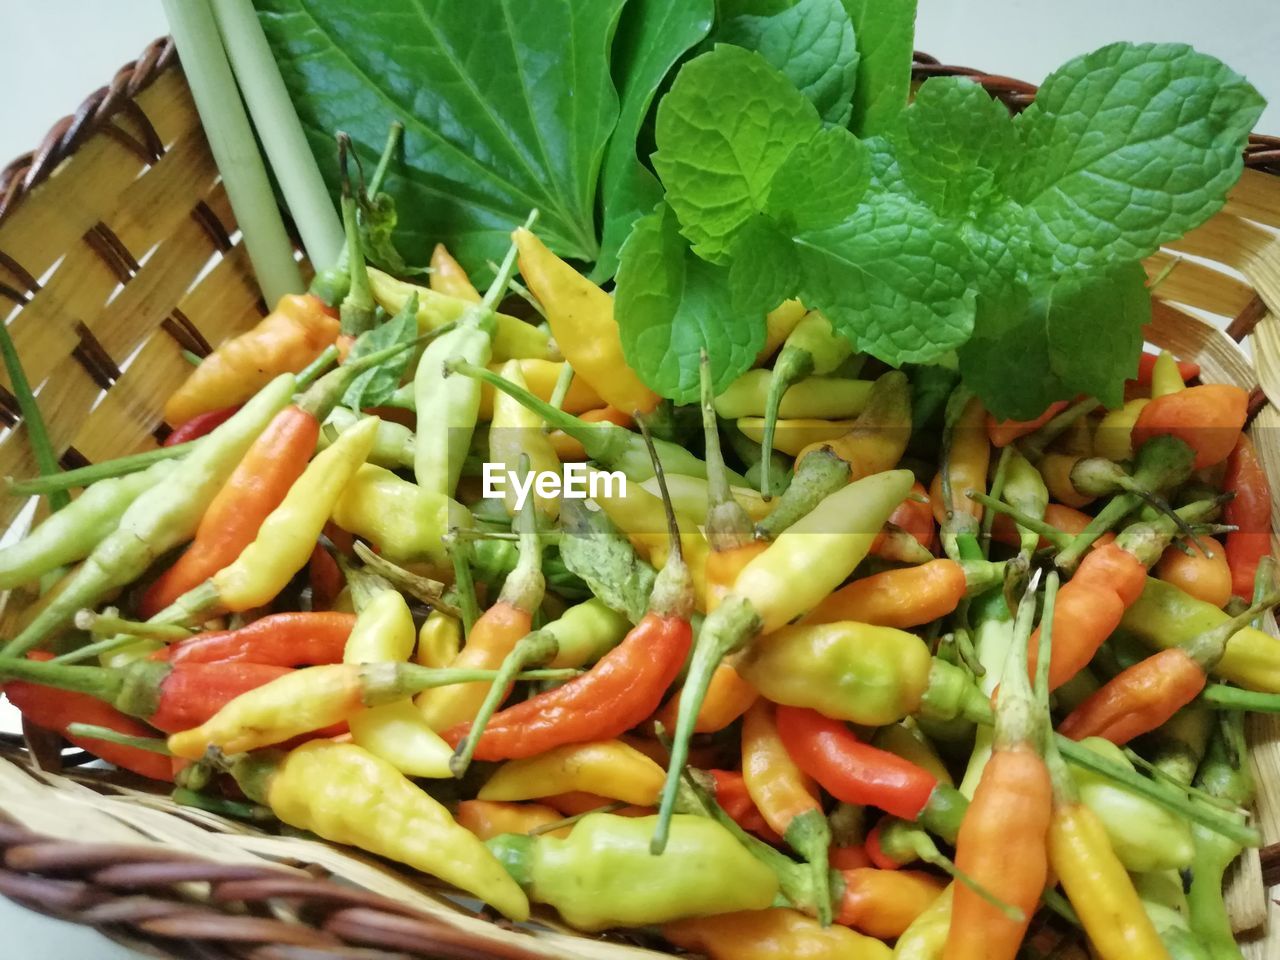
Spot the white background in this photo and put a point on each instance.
(58, 51)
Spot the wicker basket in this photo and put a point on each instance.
(118, 250)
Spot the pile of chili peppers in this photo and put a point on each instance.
(847, 669)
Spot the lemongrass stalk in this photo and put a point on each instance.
(37, 433)
(234, 149)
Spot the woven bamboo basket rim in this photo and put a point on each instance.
(188, 883)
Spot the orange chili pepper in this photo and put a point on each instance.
(727, 699)
(1139, 699)
(1004, 432)
(492, 818)
(284, 341)
(1064, 518)
(900, 598)
(1250, 511)
(448, 277)
(1056, 470)
(577, 802)
(883, 903)
(967, 462)
(914, 516)
(732, 795)
(1205, 577)
(1207, 418)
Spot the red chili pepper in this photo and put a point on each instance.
(279, 639)
(199, 425)
(732, 795)
(57, 709)
(1250, 511)
(170, 697)
(850, 770)
(1207, 418)
(849, 858)
(326, 578)
(914, 516)
(1147, 363)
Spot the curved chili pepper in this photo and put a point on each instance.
(1250, 512)
(853, 772)
(777, 934)
(608, 768)
(878, 438)
(345, 794)
(965, 466)
(1204, 576)
(914, 516)
(1207, 418)
(732, 795)
(160, 519)
(580, 315)
(448, 277)
(1056, 469)
(1089, 608)
(199, 425)
(278, 639)
(884, 903)
(1001, 433)
(901, 598)
(823, 398)
(284, 341)
(168, 696)
(56, 710)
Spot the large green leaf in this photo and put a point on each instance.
(886, 32)
(652, 36)
(507, 106)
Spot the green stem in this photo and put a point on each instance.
(37, 432)
(232, 809)
(83, 476)
(280, 130)
(1116, 509)
(1225, 697)
(506, 270)
(234, 149)
(89, 731)
(1022, 519)
(570, 821)
(328, 357)
(91, 650)
(357, 309)
(97, 682)
(819, 475)
(111, 624)
(394, 135)
(997, 491)
(561, 390)
(464, 585)
(728, 527)
(1034, 445)
(429, 591)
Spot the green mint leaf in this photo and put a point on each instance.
(374, 386)
(1130, 147)
(652, 36)
(955, 145)
(764, 270)
(886, 32)
(892, 277)
(1094, 323)
(1006, 362)
(812, 44)
(723, 130)
(507, 106)
(670, 304)
(832, 157)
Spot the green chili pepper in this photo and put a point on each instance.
(72, 533)
(586, 632)
(162, 517)
(392, 446)
(602, 875)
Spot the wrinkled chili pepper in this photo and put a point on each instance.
(160, 518)
(278, 639)
(345, 794)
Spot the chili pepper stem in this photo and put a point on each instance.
(388, 682)
(555, 825)
(308, 375)
(357, 309)
(322, 396)
(430, 592)
(818, 475)
(1034, 445)
(464, 586)
(561, 390)
(906, 842)
(792, 365)
(83, 476)
(91, 650)
(996, 491)
(1208, 648)
(108, 622)
(1035, 524)
(506, 270)
(232, 809)
(537, 647)
(728, 526)
(89, 731)
(97, 682)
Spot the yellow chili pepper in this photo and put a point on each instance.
(777, 934)
(439, 639)
(517, 431)
(927, 935)
(1112, 439)
(396, 732)
(345, 794)
(448, 277)
(829, 398)
(797, 434)
(967, 462)
(1165, 376)
(690, 497)
(512, 337)
(609, 768)
(403, 521)
(1056, 468)
(540, 377)
(581, 319)
(287, 536)
(878, 438)
(490, 818)
(778, 324)
(1099, 888)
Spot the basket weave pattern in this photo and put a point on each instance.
(118, 251)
